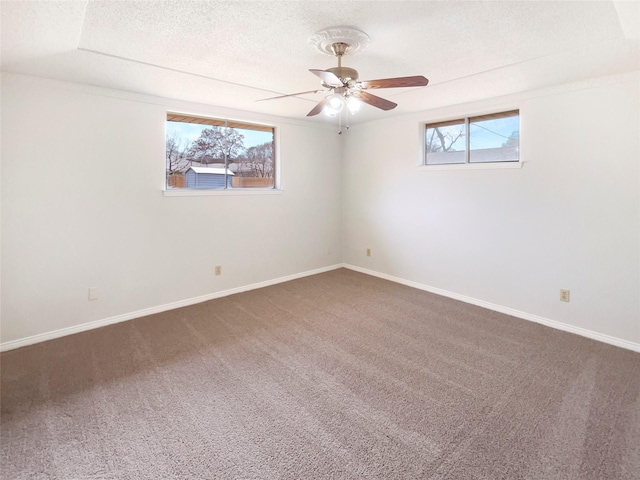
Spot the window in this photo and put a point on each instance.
(483, 139)
(209, 153)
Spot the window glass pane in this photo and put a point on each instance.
(494, 138)
(215, 154)
(446, 143)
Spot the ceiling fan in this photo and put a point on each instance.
(346, 88)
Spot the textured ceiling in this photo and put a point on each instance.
(232, 53)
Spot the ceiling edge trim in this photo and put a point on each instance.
(167, 103)
(175, 70)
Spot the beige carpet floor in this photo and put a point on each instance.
(337, 376)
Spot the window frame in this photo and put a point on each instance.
(233, 123)
(467, 165)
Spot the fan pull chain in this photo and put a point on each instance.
(346, 121)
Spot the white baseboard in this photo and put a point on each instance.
(618, 342)
(43, 337)
(22, 342)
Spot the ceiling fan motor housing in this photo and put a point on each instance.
(344, 73)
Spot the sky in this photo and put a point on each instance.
(191, 131)
(492, 133)
(488, 134)
(485, 134)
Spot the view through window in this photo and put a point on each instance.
(483, 139)
(209, 153)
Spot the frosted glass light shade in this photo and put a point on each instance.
(334, 105)
(353, 104)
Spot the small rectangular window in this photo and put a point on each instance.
(483, 139)
(210, 153)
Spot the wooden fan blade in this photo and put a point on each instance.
(318, 108)
(375, 101)
(327, 77)
(416, 81)
(290, 95)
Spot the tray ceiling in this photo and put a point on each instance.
(233, 53)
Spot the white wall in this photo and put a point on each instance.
(570, 218)
(82, 206)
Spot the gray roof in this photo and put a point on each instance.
(211, 170)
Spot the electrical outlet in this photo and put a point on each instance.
(218, 269)
(564, 295)
(368, 252)
(93, 293)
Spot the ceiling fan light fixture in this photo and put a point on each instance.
(354, 105)
(333, 105)
(330, 112)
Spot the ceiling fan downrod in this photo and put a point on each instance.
(339, 49)
(345, 74)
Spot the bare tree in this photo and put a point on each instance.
(217, 144)
(177, 148)
(443, 141)
(258, 161)
(513, 140)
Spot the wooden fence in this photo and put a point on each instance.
(176, 181)
(251, 182)
(179, 181)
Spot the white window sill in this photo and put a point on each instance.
(472, 166)
(188, 192)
